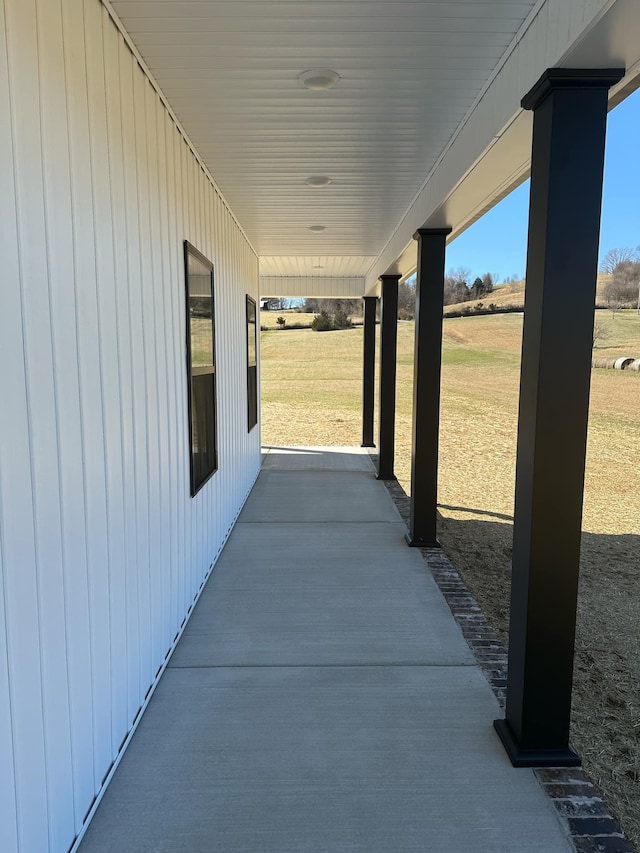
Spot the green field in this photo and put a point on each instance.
(311, 394)
(269, 319)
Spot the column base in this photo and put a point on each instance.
(419, 542)
(534, 757)
(386, 477)
(367, 445)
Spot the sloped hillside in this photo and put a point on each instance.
(512, 295)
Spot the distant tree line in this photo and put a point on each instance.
(459, 286)
(350, 307)
(279, 303)
(622, 290)
(330, 314)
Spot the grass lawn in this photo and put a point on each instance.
(311, 394)
(270, 318)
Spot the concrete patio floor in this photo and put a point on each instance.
(322, 698)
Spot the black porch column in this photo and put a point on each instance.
(570, 113)
(388, 349)
(369, 369)
(426, 386)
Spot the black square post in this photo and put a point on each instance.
(570, 113)
(369, 369)
(426, 386)
(388, 356)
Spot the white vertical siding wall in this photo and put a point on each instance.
(102, 551)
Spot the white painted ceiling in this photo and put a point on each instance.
(320, 265)
(409, 73)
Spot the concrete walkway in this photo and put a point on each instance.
(322, 698)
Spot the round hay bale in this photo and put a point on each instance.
(623, 362)
(603, 362)
(635, 365)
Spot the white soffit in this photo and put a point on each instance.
(396, 134)
(409, 72)
(316, 265)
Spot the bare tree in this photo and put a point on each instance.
(623, 288)
(600, 331)
(314, 305)
(460, 274)
(488, 281)
(615, 257)
(455, 291)
(407, 299)
(456, 285)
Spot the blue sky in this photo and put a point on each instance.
(497, 243)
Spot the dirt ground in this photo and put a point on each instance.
(311, 386)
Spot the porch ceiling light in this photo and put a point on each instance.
(317, 228)
(319, 79)
(318, 266)
(318, 181)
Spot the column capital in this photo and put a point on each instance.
(432, 232)
(390, 277)
(554, 79)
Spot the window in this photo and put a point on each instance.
(252, 363)
(201, 366)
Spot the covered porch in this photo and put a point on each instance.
(322, 697)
